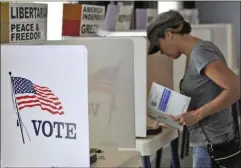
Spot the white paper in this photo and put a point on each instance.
(163, 102)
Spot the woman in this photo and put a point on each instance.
(212, 86)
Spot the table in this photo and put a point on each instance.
(153, 145)
(118, 158)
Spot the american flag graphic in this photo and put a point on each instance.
(104, 80)
(30, 95)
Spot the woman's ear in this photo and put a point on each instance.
(168, 35)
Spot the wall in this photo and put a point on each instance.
(222, 12)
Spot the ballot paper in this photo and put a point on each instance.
(163, 102)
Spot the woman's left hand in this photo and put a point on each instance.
(189, 118)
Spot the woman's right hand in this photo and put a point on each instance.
(154, 123)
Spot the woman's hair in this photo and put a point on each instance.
(185, 29)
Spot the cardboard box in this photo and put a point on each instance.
(163, 102)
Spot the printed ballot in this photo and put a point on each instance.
(163, 102)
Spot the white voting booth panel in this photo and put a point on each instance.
(44, 106)
(157, 68)
(111, 90)
(221, 35)
(140, 73)
(140, 76)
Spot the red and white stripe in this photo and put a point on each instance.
(103, 86)
(44, 98)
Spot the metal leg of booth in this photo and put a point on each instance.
(237, 116)
(238, 108)
(146, 161)
(158, 158)
(175, 161)
(187, 144)
(183, 142)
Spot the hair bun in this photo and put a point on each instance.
(186, 27)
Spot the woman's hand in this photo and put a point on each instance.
(189, 118)
(154, 123)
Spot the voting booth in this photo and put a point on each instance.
(23, 22)
(140, 85)
(44, 106)
(111, 90)
(156, 68)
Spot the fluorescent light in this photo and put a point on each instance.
(131, 33)
(54, 20)
(166, 6)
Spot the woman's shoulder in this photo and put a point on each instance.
(204, 53)
(207, 47)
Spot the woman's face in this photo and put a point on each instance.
(169, 46)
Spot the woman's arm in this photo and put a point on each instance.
(226, 79)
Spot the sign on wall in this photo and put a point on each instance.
(144, 17)
(110, 17)
(82, 20)
(123, 22)
(190, 15)
(23, 22)
(44, 106)
(150, 14)
(92, 18)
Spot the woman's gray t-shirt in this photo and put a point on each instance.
(220, 126)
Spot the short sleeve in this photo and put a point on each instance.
(202, 57)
